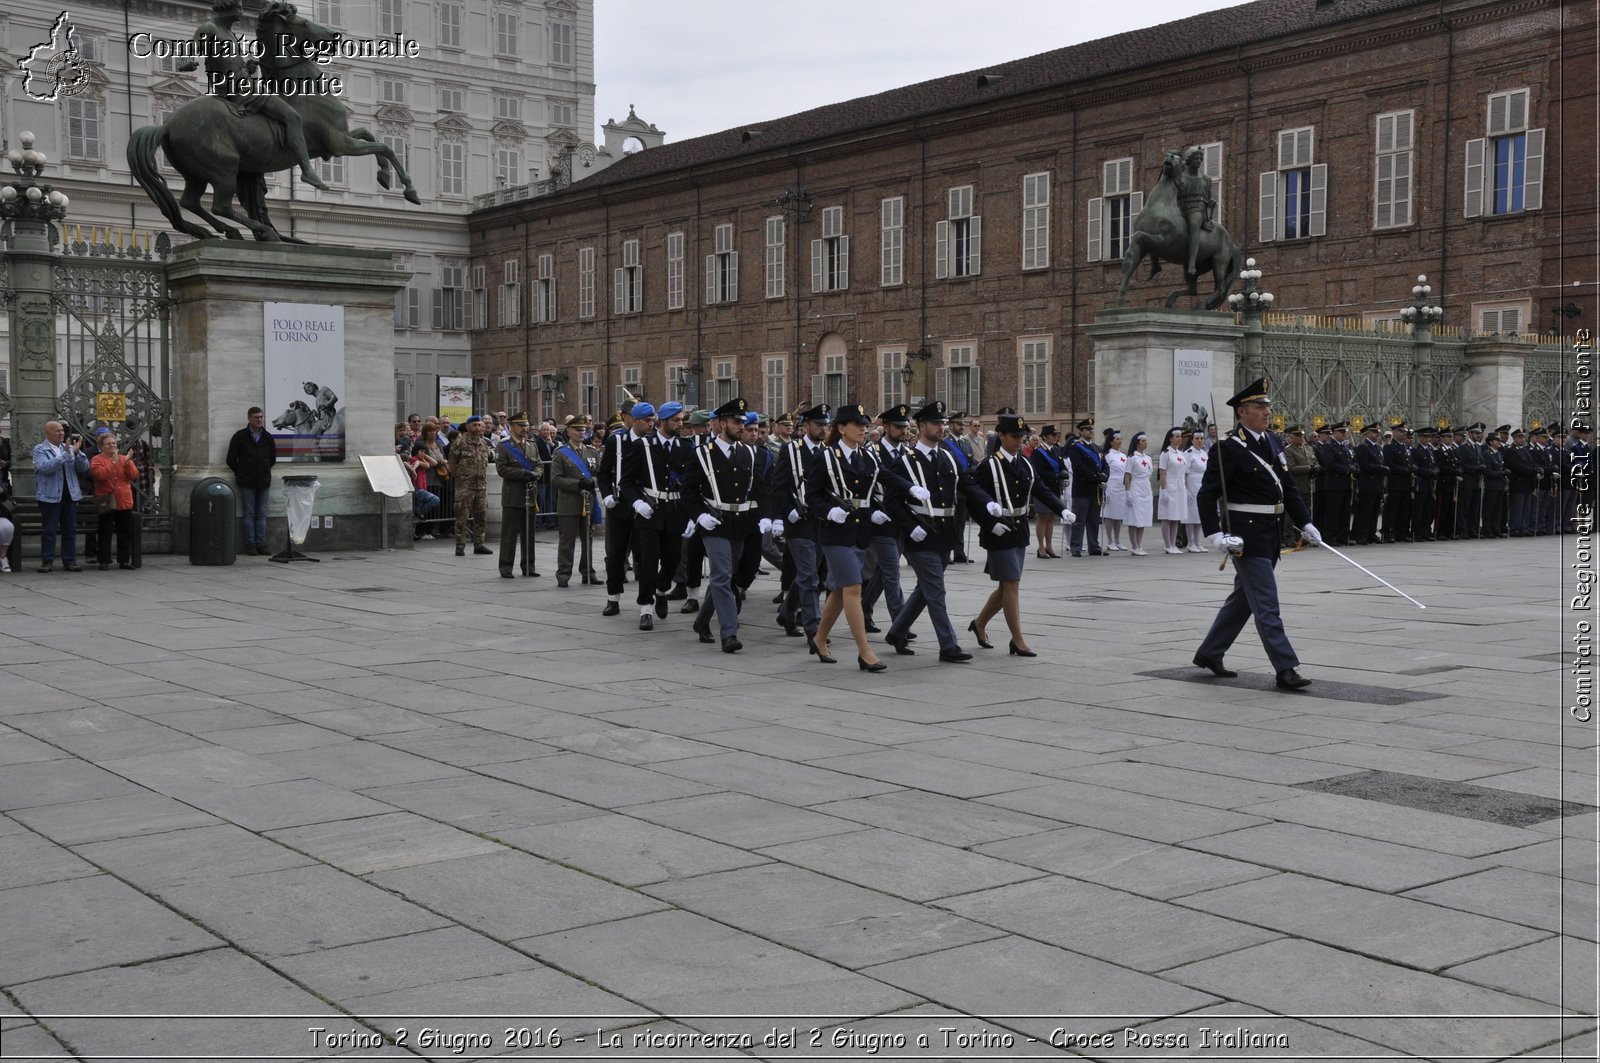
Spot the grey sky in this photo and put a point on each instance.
(698, 66)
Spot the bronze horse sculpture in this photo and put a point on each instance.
(210, 143)
(1161, 234)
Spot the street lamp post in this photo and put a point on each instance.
(1251, 303)
(1421, 315)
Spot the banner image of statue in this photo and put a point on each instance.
(304, 345)
(1191, 389)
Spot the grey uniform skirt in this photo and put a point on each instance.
(844, 565)
(1005, 564)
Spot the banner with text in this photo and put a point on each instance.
(455, 398)
(304, 345)
(1191, 389)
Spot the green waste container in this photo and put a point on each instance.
(213, 514)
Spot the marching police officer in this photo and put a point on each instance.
(721, 485)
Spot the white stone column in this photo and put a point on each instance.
(219, 373)
(1134, 354)
(1492, 389)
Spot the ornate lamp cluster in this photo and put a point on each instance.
(1252, 299)
(29, 199)
(1420, 314)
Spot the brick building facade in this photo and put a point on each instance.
(978, 219)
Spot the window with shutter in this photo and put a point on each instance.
(1391, 198)
(628, 280)
(1035, 221)
(675, 271)
(892, 216)
(1512, 159)
(961, 236)
(586, 282)
(1501, 319)
(776, 378)
(1034, 379)
(891, 379)
(774, 257)
(1212, 168)
(1111, 214)
(1294, 198)
(722, 267)
(830, 254)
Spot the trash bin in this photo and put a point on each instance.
(213, 512)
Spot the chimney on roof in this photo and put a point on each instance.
(751, 134)
(985, 80)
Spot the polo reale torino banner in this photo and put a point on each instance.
(304, 344)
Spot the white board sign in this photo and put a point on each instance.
(387, 474)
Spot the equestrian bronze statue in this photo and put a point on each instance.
(251, 126)
(1176, 226)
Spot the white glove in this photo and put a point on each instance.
(1067, 516)
(688, 530)
(995, 510)
(764, 526)
(918, 533)
(1230, 543)
(794, 516)
(777, 529)
(920, 493)
(1312, 536)
(879, 517)
(644, 509)
(707, 521)
(837, 515)
(609, 502)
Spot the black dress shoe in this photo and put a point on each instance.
(1015, 652)
(873, 629)
(955, 656)
(706, 637)
(899, 644)
(661, 606)
(985, 643)
(461, 551)
(561, 583)
(611, 609)
(875, 666)
(72, 568)
(822, 658)
(482, 550)
(646, 622)
(731, 645)
(690, 606)
(911, 636)
(679, 593)
(1202, 661)
(1289, 679)
(505, 574)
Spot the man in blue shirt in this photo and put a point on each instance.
(58, 462)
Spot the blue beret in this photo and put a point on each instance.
(102, 431)
(474, 418)
(752, 418)
(669, 409)
(642, 409)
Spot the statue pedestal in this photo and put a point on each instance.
(1151, 364)
(1492, 389)
(219, 353)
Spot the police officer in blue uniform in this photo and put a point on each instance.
(882, 562)
(1246, 490)
(721, 486)
(790, 514)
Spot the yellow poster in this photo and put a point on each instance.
(455, 398)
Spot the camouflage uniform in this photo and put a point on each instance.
(469, 468)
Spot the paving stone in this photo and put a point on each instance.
(1451, 798)
(1374, 865)
(277, 738)
(56, 783)
(204, 714)
(593, 781)
(509, 895)
(284, 804)
(1520, 897)
(742, 820)
(16, 748)
(942, 775)
(1017, 978)
(359, 765)
(479, 805)
(431, 957)
(900, 865)
(191, 857)
(937, 817)
(382, 843)
(1574, 784)
(364, 720)
(61, 927)
(1403, 826)
(465, 746)
(1240, 763)
(1427, 1013)
(632, 745)
(678, 963)
(1107, 924)
(1558, 970)
(33, 1042)
(112, 817)
(1156, 818)
(774, 779)
(216, 982)
(820, 916)
(1379, 925)
(280, 913)
(1557, 856)
(1085, 739)
(197, 771)
(789, 743)
(1005, 753)
(27, 859)
(1147, 868)
(1180, 784)
(626, 850)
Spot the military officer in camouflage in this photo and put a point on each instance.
(469, 470)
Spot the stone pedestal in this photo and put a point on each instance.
(1135, 354)
(218, 352)
(1491, 392)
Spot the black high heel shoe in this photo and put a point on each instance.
(877, 666)
(1011, 644)
(822, 658)
(973, 627)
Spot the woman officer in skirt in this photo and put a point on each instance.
(1009, 479)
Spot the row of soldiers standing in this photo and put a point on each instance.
(1450, 483)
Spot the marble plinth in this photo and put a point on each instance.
(1135, 353)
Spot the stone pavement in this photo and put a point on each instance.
(389, 793)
